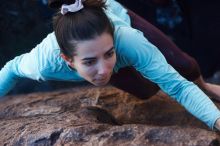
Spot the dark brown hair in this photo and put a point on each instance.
(85, 24)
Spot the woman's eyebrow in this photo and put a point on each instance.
(112, 48)
(89, 58)
(92, 58)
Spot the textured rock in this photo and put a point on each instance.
(92, 116)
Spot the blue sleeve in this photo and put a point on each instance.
(136, 50)
(117, 9)
(8, 79)
(28, 65)
(21, 66)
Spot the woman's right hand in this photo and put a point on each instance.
(217, 124)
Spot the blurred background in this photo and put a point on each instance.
(192, 24)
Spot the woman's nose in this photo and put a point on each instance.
(103, 69)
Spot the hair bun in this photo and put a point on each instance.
(56, 4)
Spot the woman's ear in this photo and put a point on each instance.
(67, 59)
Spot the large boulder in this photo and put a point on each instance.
(99, 117)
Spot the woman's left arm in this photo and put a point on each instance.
(136, 50)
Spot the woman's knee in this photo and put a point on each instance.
(187, 67)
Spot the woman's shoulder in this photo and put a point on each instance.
(117, 12)
(128, 37)
(47, 52)
(50, 42)
(132, 46)
(129, 44)
(52, 49)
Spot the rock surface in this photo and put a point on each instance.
(105, 116)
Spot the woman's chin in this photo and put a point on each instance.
(100, 83)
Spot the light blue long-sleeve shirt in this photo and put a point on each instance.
(132, 49)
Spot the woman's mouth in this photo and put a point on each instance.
(101, 81)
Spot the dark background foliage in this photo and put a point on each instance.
(23, 24)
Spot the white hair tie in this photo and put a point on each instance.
(72, 8)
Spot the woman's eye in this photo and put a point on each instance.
(110, 54)
(89, 63)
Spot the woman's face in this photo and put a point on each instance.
(95, 59)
